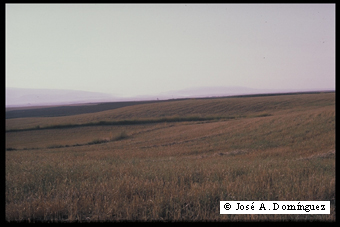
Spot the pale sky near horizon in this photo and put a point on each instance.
(146, 49)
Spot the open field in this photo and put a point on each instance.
(172, 160)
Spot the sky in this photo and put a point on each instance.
(146, 49)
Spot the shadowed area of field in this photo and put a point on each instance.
(69, 109)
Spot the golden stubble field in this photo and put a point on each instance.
(274, 148)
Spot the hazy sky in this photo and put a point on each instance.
(142, 49)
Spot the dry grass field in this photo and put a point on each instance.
(173, 161)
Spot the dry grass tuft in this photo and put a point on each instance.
(329, 154)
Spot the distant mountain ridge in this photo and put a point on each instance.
(22, 97)
(35, 97)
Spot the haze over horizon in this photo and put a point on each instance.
(130, 50)
(19, 97)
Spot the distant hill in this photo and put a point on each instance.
(214, 92)
(220, 91)
(40, 97)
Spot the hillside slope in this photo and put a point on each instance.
(282, 149)
(218, 107)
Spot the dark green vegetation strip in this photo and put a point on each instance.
(133, 122)
(121, 136)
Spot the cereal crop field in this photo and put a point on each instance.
(172, 160)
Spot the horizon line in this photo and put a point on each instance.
(40, 105)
